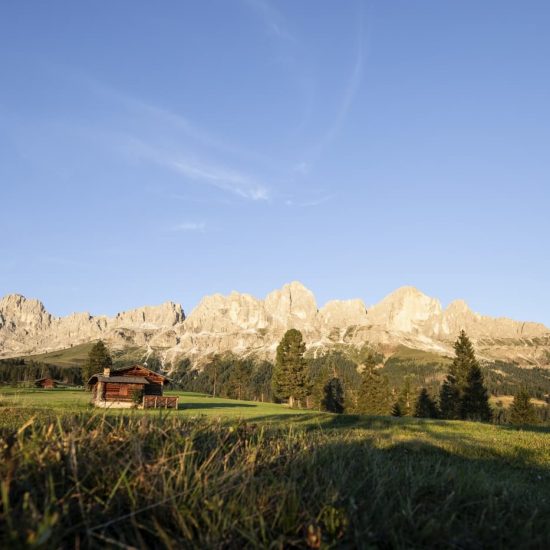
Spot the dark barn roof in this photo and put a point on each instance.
(141, 367)
(142, 376)
(122, 379)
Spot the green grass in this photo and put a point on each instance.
(190, 404)
(220, 473)
(405, 354)
(77, 355)
(70, 357)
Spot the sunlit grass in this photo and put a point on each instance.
(221, 473)
(190, 404)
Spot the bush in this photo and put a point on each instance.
(137, 398)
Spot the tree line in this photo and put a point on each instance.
(227, 376)
(16, 372)
(334, 382)
(337, 383)
(462, 395)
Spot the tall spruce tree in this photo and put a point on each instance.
(522, 410)
(397, 409)
(333, 399)
(405, 398)
(453, 390)
(425, 406)
(290, 377)
(238, 380)
(475, 401)
(99, 358)
(374, 395)
(449, 398)
(319, 383)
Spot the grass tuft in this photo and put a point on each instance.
(169, 480)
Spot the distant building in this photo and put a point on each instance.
(47, 383)
(131, 386)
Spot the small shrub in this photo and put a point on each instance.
(137, 398)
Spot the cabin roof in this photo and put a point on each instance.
(142, 367)
(48, 378)
(121, 379)
(117, 375)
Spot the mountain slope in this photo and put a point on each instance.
(245, 325)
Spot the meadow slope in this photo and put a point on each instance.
(209, 477)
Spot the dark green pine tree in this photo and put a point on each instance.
(396, 409)
(406, 397)
(99, 358)
(425, 406)
(475, 401)
(290, 377)
(318, 387)
(449, 399)
(452, 390)
(238, 382)
(522, 410)
(374, 395)
(333, 399)
(260, 381)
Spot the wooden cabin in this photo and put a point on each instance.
(47, 383)
(135, 386)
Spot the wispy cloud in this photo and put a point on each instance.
(168, 139)
(346, 102)
(171, 141)
(190, 226)
(199, 171)
(313, 202)
(169, 121)
(272, 18)
(222, 178)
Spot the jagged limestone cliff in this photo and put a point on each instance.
(246, 325)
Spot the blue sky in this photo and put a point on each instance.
(169, 150)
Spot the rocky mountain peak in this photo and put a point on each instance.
(343, 313)
(222, 314)
(458, 307)
(405, 310)
(167, 314)
(242, 324)
(292, 305)
(26, 313)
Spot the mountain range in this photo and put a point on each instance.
(248, 326)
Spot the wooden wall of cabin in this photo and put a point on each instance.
(121, 392)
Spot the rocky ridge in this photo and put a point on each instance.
(245, 325)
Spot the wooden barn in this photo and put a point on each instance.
(47, 383)
(135, 386)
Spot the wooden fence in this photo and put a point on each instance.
(160, 402)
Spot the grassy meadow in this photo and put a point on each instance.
(219, 473)
(77, 355)
(52, 402)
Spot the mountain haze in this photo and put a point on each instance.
(245, 325)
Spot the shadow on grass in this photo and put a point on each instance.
(338, 421)
(218, 405)
(527, 428)
(361, 422)
(415, 494)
